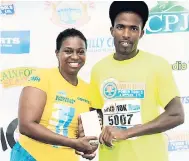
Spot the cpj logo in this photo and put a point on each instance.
(15, 77)
(66, 14)
(168, 17)
(14, 42)
(7, 9)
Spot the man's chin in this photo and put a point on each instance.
(125, 52)
(73, 72)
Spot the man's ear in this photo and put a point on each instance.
(142, 33)
(112, 31)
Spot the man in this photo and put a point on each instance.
(136, 84)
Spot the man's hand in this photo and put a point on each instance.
(110, 134)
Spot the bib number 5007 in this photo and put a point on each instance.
(120, 119)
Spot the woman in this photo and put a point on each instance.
(50, 104)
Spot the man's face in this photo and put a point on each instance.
(127, 31)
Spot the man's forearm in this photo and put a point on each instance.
(172, 117)
(158, 125)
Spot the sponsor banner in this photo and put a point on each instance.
(38, 23)
(9, 135)
(168, 17)
(178, 141)
(7, 9)
(100, 44)
(185, 99)
(15, 76)
(14, 42)
(69, 14)
(180, 65)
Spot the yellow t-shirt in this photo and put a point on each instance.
(130, 92)
(64, 103)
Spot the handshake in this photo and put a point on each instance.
(90, 135)
(89, 130)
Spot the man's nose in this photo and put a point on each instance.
(126, 33)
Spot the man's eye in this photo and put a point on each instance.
(119, 27)
(134, 28)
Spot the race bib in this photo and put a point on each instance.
(122, 113)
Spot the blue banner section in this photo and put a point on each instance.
(14, 42)
(178, 145)
(7, 9)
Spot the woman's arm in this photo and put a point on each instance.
(31, 106)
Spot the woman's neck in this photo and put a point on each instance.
(71, 78)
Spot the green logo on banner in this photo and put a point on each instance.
(168, 17)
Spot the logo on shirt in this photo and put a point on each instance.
(34, 78)
(61, 96)
(14, 42)
(61, 118)
(168, 17)
(83, 100)
(15, 76)
(112, 89)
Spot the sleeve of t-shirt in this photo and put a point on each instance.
(166, 86)
(95, 96)
(38, 79)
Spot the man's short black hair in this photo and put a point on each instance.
(70, 32)
(138, 7)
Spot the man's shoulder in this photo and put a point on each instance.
(153, 58)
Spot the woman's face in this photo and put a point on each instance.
(71, 55)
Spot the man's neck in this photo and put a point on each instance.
(121, 57)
